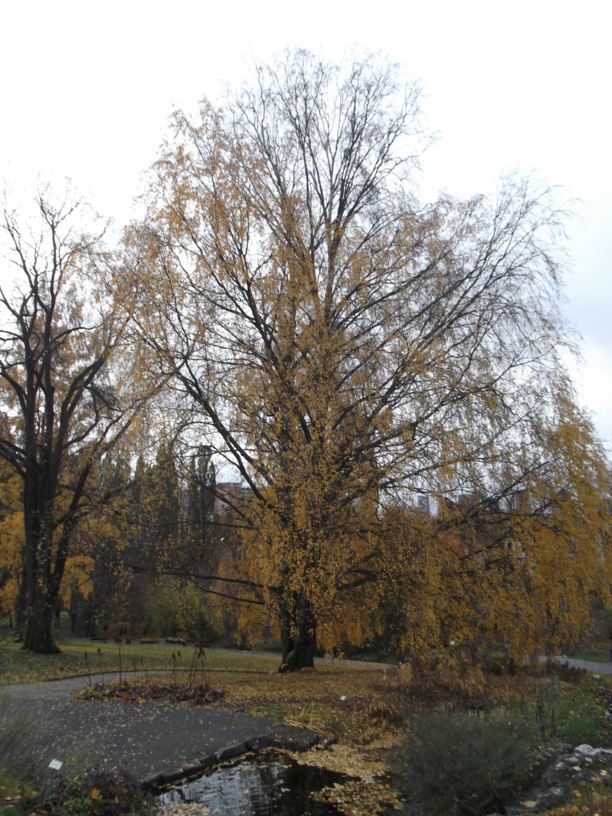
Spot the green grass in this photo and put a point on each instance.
(567, 714)
(81, 657)
(12, 791)
(17, 767)
(11, 785)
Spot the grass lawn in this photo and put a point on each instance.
(599, 656)
(358, 706)
(81, 657)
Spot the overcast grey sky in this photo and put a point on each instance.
(87, 87)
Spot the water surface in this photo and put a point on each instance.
(269, 785)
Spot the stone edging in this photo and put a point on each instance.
(288, 743)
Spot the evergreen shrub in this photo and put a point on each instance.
(463, 763)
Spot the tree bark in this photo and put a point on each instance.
(21, 603)
(298, 635)
(38, 633)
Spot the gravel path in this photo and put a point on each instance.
(146, 739)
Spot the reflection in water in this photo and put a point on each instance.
(271, 785)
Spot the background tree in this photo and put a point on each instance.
(342, 341)
(11, 542)
(517, 572)
(200, 533)
(105, 536)
(65, 399)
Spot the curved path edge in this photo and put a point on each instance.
(300, 744)
(153, 741)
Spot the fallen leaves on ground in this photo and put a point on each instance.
(358, 798)
(141, 692)
(346, 759)
(184, 809)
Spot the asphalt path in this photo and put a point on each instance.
(593, 666)
(146, 740)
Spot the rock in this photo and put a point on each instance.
(562, 768)
(552, 797)
(231, 752)
(156, 781)
(207, 762)
(258, 743)
(294, 742)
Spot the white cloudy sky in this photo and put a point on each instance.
(86, 88)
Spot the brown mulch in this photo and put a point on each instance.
(141, 692)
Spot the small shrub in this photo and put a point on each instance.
(383, 712)
(460, 763)
(16, 731)
(565, 672)
(98, 794)
(500, 664)
(404, 676)
(454, 678)
(575, 716)
(582, 720)
(495, 664)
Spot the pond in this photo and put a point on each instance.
(269, 785)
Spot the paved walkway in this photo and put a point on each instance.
(593, 666)
(146, 739)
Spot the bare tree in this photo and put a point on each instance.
(67, 394)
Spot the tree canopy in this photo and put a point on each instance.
(384, 374)
(344, 344)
